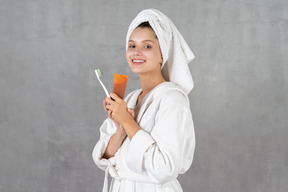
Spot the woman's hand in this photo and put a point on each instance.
(120, 128)
(117, 109)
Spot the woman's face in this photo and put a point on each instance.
(143, 53)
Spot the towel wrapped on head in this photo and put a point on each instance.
(175, 51)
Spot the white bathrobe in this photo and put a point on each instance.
(161, 150)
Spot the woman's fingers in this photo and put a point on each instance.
(104, 105)
(131, 111)
(116, 107)
(115, 97)
(110, 114)
(114, 102)
(108, 100)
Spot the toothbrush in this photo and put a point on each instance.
(98, 74)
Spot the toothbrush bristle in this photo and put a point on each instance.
(99, 72)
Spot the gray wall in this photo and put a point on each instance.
(51, 102)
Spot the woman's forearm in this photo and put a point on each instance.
(114, 144)
(131, 127)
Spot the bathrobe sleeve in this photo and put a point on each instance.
(168, 150)
(107, 129)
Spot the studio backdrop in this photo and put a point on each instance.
(51, 102)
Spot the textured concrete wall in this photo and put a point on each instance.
(51, 102)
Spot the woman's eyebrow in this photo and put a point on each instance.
(142, 41)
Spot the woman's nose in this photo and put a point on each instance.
(137, 51)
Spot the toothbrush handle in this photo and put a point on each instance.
(106, 92)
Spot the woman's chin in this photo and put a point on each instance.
(135, 69)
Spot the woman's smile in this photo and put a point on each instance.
(138, 61)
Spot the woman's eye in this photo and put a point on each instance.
(147, 46)
(132, 46)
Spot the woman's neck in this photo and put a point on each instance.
(148, 82)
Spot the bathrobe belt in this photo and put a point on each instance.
(119, 175)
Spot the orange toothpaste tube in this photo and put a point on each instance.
(119, 85)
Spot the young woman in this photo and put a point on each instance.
(148, 138)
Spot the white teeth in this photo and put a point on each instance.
(138, 61)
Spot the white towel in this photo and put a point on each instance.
(175, 51)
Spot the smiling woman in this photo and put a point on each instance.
(143, 54)
(148, 138)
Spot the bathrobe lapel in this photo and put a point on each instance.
(148, 99)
